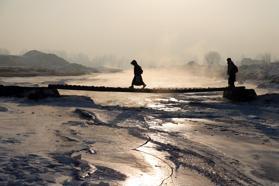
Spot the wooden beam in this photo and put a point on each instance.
(146, 90)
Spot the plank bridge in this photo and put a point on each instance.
(146, 90)
(234, 94)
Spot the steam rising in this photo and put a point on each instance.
(155, 32)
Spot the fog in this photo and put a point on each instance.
(155, 32)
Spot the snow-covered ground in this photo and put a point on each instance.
(138, 139)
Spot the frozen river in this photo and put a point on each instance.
(139, 139)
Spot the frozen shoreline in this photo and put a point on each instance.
(184, 135)
(120, 139)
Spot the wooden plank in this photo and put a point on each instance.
(146, 90)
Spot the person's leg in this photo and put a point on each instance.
(142, 82)
(231, 81)
(144, 85)
(133, 82)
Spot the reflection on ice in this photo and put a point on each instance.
(164, 107)
(169, 124)
(168, 104)
(180, 126)
(158, 173)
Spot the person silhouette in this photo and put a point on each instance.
(137, 80)
(232, 70)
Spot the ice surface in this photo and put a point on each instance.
(138, 139)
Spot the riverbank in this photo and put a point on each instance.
(138, 139)
(172, 140)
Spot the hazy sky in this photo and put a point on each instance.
(151, 30)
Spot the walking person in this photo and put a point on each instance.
(137, 80)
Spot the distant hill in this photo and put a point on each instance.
(35, 63)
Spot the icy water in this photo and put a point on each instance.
(145, 139)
